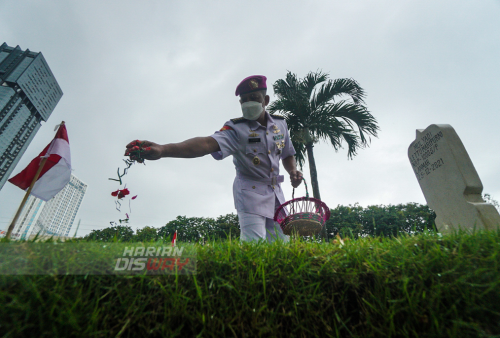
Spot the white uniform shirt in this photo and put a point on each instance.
(256, 151)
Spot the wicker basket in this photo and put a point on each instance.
(303, 216)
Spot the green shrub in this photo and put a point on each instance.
(380, 220)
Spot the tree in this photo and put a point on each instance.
(488, 199)
(380, 220)
(196, 229)
(119, 233)
(192, 229)
(146, 234)
(312, 114)
(226, 226)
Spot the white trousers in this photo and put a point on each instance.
(256, 227)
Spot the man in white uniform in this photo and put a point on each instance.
(257, 142)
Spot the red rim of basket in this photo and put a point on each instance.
(326, 210)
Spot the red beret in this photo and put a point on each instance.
(251, 84)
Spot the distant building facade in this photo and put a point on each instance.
(54, 217)
(29, 93)
(27, 218)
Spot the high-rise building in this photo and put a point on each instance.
(54, 217)
(29, 93)
(27, 218)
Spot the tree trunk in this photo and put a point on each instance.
(314, 182)
(312, 168)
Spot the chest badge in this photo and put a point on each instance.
(256, 160)
(253, 134)
(278, 137)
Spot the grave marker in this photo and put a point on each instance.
(449, 181)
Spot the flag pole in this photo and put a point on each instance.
(74, 235)
(11, 226)
(23, 202)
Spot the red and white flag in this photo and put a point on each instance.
(56, 172)
(174, 239)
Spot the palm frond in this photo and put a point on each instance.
(352, 144)
(287, 87)
(355, 115)
(332, 130)
(311, 80)
(309, 104)
(343, 122)
(329, 90)
(336, 132)
(300, 151)
(292, 101)
(284, 107)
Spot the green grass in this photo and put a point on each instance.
(419, 286)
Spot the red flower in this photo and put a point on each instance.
(122, 193)
(135, 148)
(148, 148)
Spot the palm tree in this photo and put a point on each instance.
(312, 114)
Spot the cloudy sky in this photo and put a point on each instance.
(166, 71)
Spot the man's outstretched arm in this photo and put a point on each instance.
(195, 147)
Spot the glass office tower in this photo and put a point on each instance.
(27, 218)
(29, 93)
(54, 217)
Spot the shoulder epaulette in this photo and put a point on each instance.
(277, 117)
(238, 120)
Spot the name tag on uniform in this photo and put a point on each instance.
(254, 140)
(278, 137)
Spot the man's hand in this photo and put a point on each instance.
(295, 178)
(152, 151)
(291, 168)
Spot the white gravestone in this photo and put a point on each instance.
(450, 183)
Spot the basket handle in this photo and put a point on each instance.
(307, 191)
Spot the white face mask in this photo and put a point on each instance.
(252, 110)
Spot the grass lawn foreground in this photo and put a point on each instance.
(426, 285)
